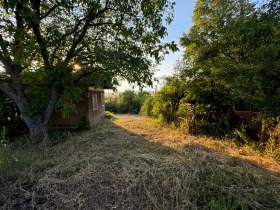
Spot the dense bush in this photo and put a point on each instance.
(126, 102)
(147, 107)
(10, 122)
(111, 103)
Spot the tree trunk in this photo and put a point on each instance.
(38, 124)
(38, 129)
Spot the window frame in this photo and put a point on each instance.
(94, 97)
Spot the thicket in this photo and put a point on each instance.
(126, 102)
(10, 123)
(231, 63)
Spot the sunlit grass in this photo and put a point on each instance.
(134, 163)
(173, 138)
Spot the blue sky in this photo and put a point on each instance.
(181, 23)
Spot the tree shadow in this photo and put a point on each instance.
(111, 167)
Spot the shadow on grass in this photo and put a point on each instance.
(112, 168)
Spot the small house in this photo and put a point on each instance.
(91, 108)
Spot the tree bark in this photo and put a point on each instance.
(38, 129)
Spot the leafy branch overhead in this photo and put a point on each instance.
(41, 42)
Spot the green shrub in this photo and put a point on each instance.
(14, 160)
(241, 135)
(3, 140)
(126, 102)
(84, 124)
(9, 118)
(272, 149)
(161, 120)
(111, 104)
(272, 146)
(57, 135)
(147, 107)
(109, 115)
(185, 125)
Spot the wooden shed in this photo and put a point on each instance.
(91, 108)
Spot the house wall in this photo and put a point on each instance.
(74, 119)
(84, 108)
(95, 115)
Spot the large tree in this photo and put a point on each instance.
(50, 50)
(233, 48)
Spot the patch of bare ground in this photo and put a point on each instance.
(133, 163)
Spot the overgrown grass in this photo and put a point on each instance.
(134, 163)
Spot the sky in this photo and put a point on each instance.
(181, 23)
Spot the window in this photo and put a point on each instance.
(94, 102)
(102, 99)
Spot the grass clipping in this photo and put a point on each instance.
(132, 163)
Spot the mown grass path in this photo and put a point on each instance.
(134, 163)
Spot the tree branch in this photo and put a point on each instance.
(7, 63)
(50, 11)
(49, 110)
(84, 30)
(41, 42)
(10, 92)
(74, 31)
(19, 30)
(76, 42)
(36, 6)
(4, 47)
(232, 58)
(241, 53)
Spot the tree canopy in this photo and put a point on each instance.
(233, 48)
(50, 50)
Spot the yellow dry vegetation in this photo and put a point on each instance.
(133, 163)
(175, 139)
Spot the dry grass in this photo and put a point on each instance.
(176, 140)
(133, 163)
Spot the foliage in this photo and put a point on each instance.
(84, 124)
(13, 160)
(147, 107)
(109, 115)
(111, 103)
(126, 102)
(10, 122)
(168, 99)
(185, 116)
(232, 51)
(51, 50)
(272, 148)
(241, 135)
